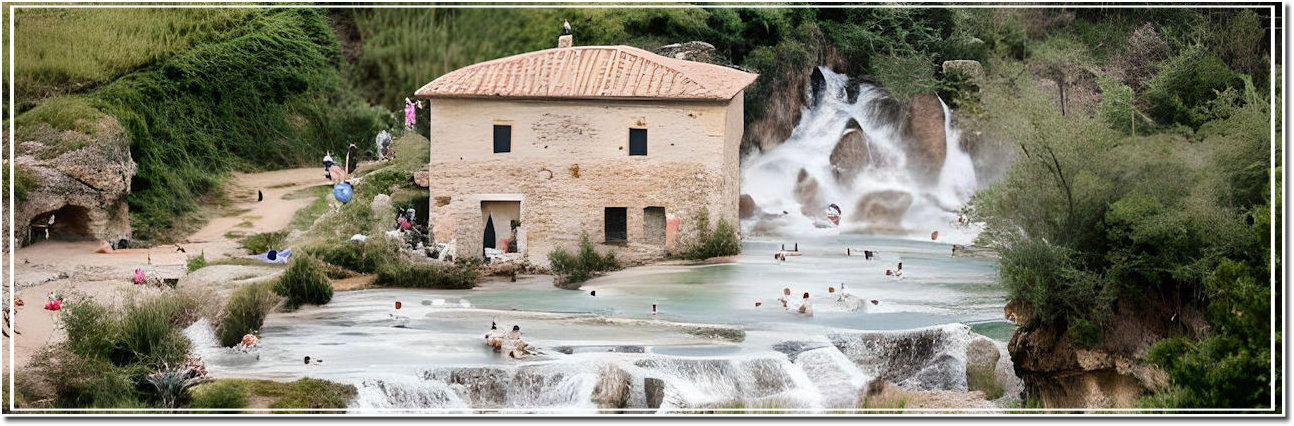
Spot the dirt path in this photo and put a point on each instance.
(68, 267)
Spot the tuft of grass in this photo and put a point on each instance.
(572, 269)
(245, 311)
(366, 257)
(62, 113)
(306, 393)
(219, 394)
(304, 282)
(460, 275)
(262, 242)
(193, 263)
(307, 216)
(23, 182)
(706, 243)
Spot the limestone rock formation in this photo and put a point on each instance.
(851, 155)
(1113, 373)
(81, 178)
(613, 388)
(927, 141)
(808, 195)
(746, 207)
(698, 51)
(882, 210)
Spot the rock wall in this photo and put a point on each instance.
(1111, 374)
(82, 178)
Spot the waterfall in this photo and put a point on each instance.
(821, 374)
(879, 161)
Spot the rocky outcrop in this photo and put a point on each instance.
(698, 51)
(850, 156)
(1111, 374)
(746, 207)
(808, 195)
(882, 210)
(81, 178)
(927, 140)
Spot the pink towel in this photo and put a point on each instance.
(139, 276)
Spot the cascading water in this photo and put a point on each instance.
(890, 168)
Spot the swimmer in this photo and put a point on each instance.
(786, 297)
(805, 308)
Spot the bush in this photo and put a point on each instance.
(1179, 93)
(706, 243)
(219, 394)
(246, 311)
(263, 242)
(580, 267)
(366, 257)
(460, 275)
(193, 263)
(304, 283)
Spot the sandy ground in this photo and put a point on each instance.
(75, 270)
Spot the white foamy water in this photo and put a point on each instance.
(770, 177)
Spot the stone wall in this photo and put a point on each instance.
(569, 160)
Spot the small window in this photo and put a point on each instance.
(637, 141)
(502, 138)
(615, 224)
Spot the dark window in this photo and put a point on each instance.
(615, 224)
(637, 141)
(502, 138)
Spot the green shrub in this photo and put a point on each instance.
(262, 242)
(219, 394)
(193, 263)
(905, 76)
(23, 182)
(460, 275)
(366, 257)
(576, 268)
(246, 311)
(706, 243)
(1181, 90)
(304, 282)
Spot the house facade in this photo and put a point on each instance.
(530, 151)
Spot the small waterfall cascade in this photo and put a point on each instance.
(886, 166)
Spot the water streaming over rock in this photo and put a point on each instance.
(890, 167)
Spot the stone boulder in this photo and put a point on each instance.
(81, 178)
(698, 51)
(851, 155)
(746, 207)
(422, 178)
(654, 389)
(808, 195)
(612, 389)
(926, 143)
(882, 210)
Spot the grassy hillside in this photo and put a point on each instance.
(270, 95)
(70, 50)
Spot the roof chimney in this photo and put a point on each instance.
(565, 40)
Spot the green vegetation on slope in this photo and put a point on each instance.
(1090, 218)
(68, 50)
(271, 96)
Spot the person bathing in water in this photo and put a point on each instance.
(786, 298)
(805, 308)
(513, 345)
(494, 338)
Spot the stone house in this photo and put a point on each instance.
(531, 150)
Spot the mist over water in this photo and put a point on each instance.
(771, 177)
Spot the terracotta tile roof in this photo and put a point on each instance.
(591, 72)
